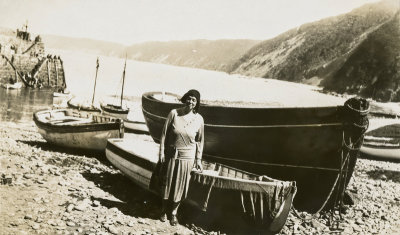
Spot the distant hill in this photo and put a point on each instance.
(205, 54)
(357, 52)
(84, 45)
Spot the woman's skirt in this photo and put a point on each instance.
(177, 179)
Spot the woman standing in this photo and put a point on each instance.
(181, 148)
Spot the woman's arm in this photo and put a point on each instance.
(164, 132)
(200, 144)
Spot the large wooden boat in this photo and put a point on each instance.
(72, 129)
(217, 184)
(302, 144)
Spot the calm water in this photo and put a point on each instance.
(19, 105)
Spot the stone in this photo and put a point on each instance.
(112, 229)
(70, 207)
(70, 224)
(36, 226)
(96, 203)
(28, 217)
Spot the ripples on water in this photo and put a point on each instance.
(19, 105)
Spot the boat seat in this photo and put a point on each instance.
(74, 121)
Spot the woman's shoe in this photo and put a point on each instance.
(163, 217)
(174, 220)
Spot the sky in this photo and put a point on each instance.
(134, 21)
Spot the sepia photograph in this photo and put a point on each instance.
(210, 117)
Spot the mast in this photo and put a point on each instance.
(123, 82)
(95, 79)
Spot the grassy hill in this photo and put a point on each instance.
(320, 53)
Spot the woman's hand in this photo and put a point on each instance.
(198, 165)
(162, 158)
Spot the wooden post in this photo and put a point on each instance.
(48, 72)
(55, 64)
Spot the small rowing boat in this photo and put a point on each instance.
(73, 129)
(263, 200)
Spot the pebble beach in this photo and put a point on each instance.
(50, 190)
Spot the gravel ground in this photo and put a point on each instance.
(59, 191)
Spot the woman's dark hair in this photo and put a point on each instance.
(194, 93)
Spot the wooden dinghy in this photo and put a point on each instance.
(264, 200)
(72, 129)
(89, 108)
(383, 142)
(17, 85)
(309, 145)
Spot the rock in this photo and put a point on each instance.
(36, 226)
(28, 176)
(317, 225)
(70, 224)
(131, 224)
(70, 207)
(96, 203)
(81, 206)
(28, 217)
(112, 229)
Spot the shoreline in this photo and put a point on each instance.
(60, 191)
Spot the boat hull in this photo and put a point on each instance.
(88, 134)
(135, 127)
(137, 160)
(115, 111)
(291, 144)
(88, 109)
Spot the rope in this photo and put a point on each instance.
(341, 179)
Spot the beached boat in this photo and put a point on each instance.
(61, 94)
(263, 200)
(382, 144)
(302, 144)
(69, 128)
(17, 85)
(117, 110)
(135, 126)
(91, 108)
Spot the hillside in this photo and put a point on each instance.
(205, 54)
(84, 45)
(373, 69)
(321, 52)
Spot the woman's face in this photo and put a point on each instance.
(191, 102)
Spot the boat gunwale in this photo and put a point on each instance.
(82, 127)
(150, 96)
(114, 110)
(83, 108)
